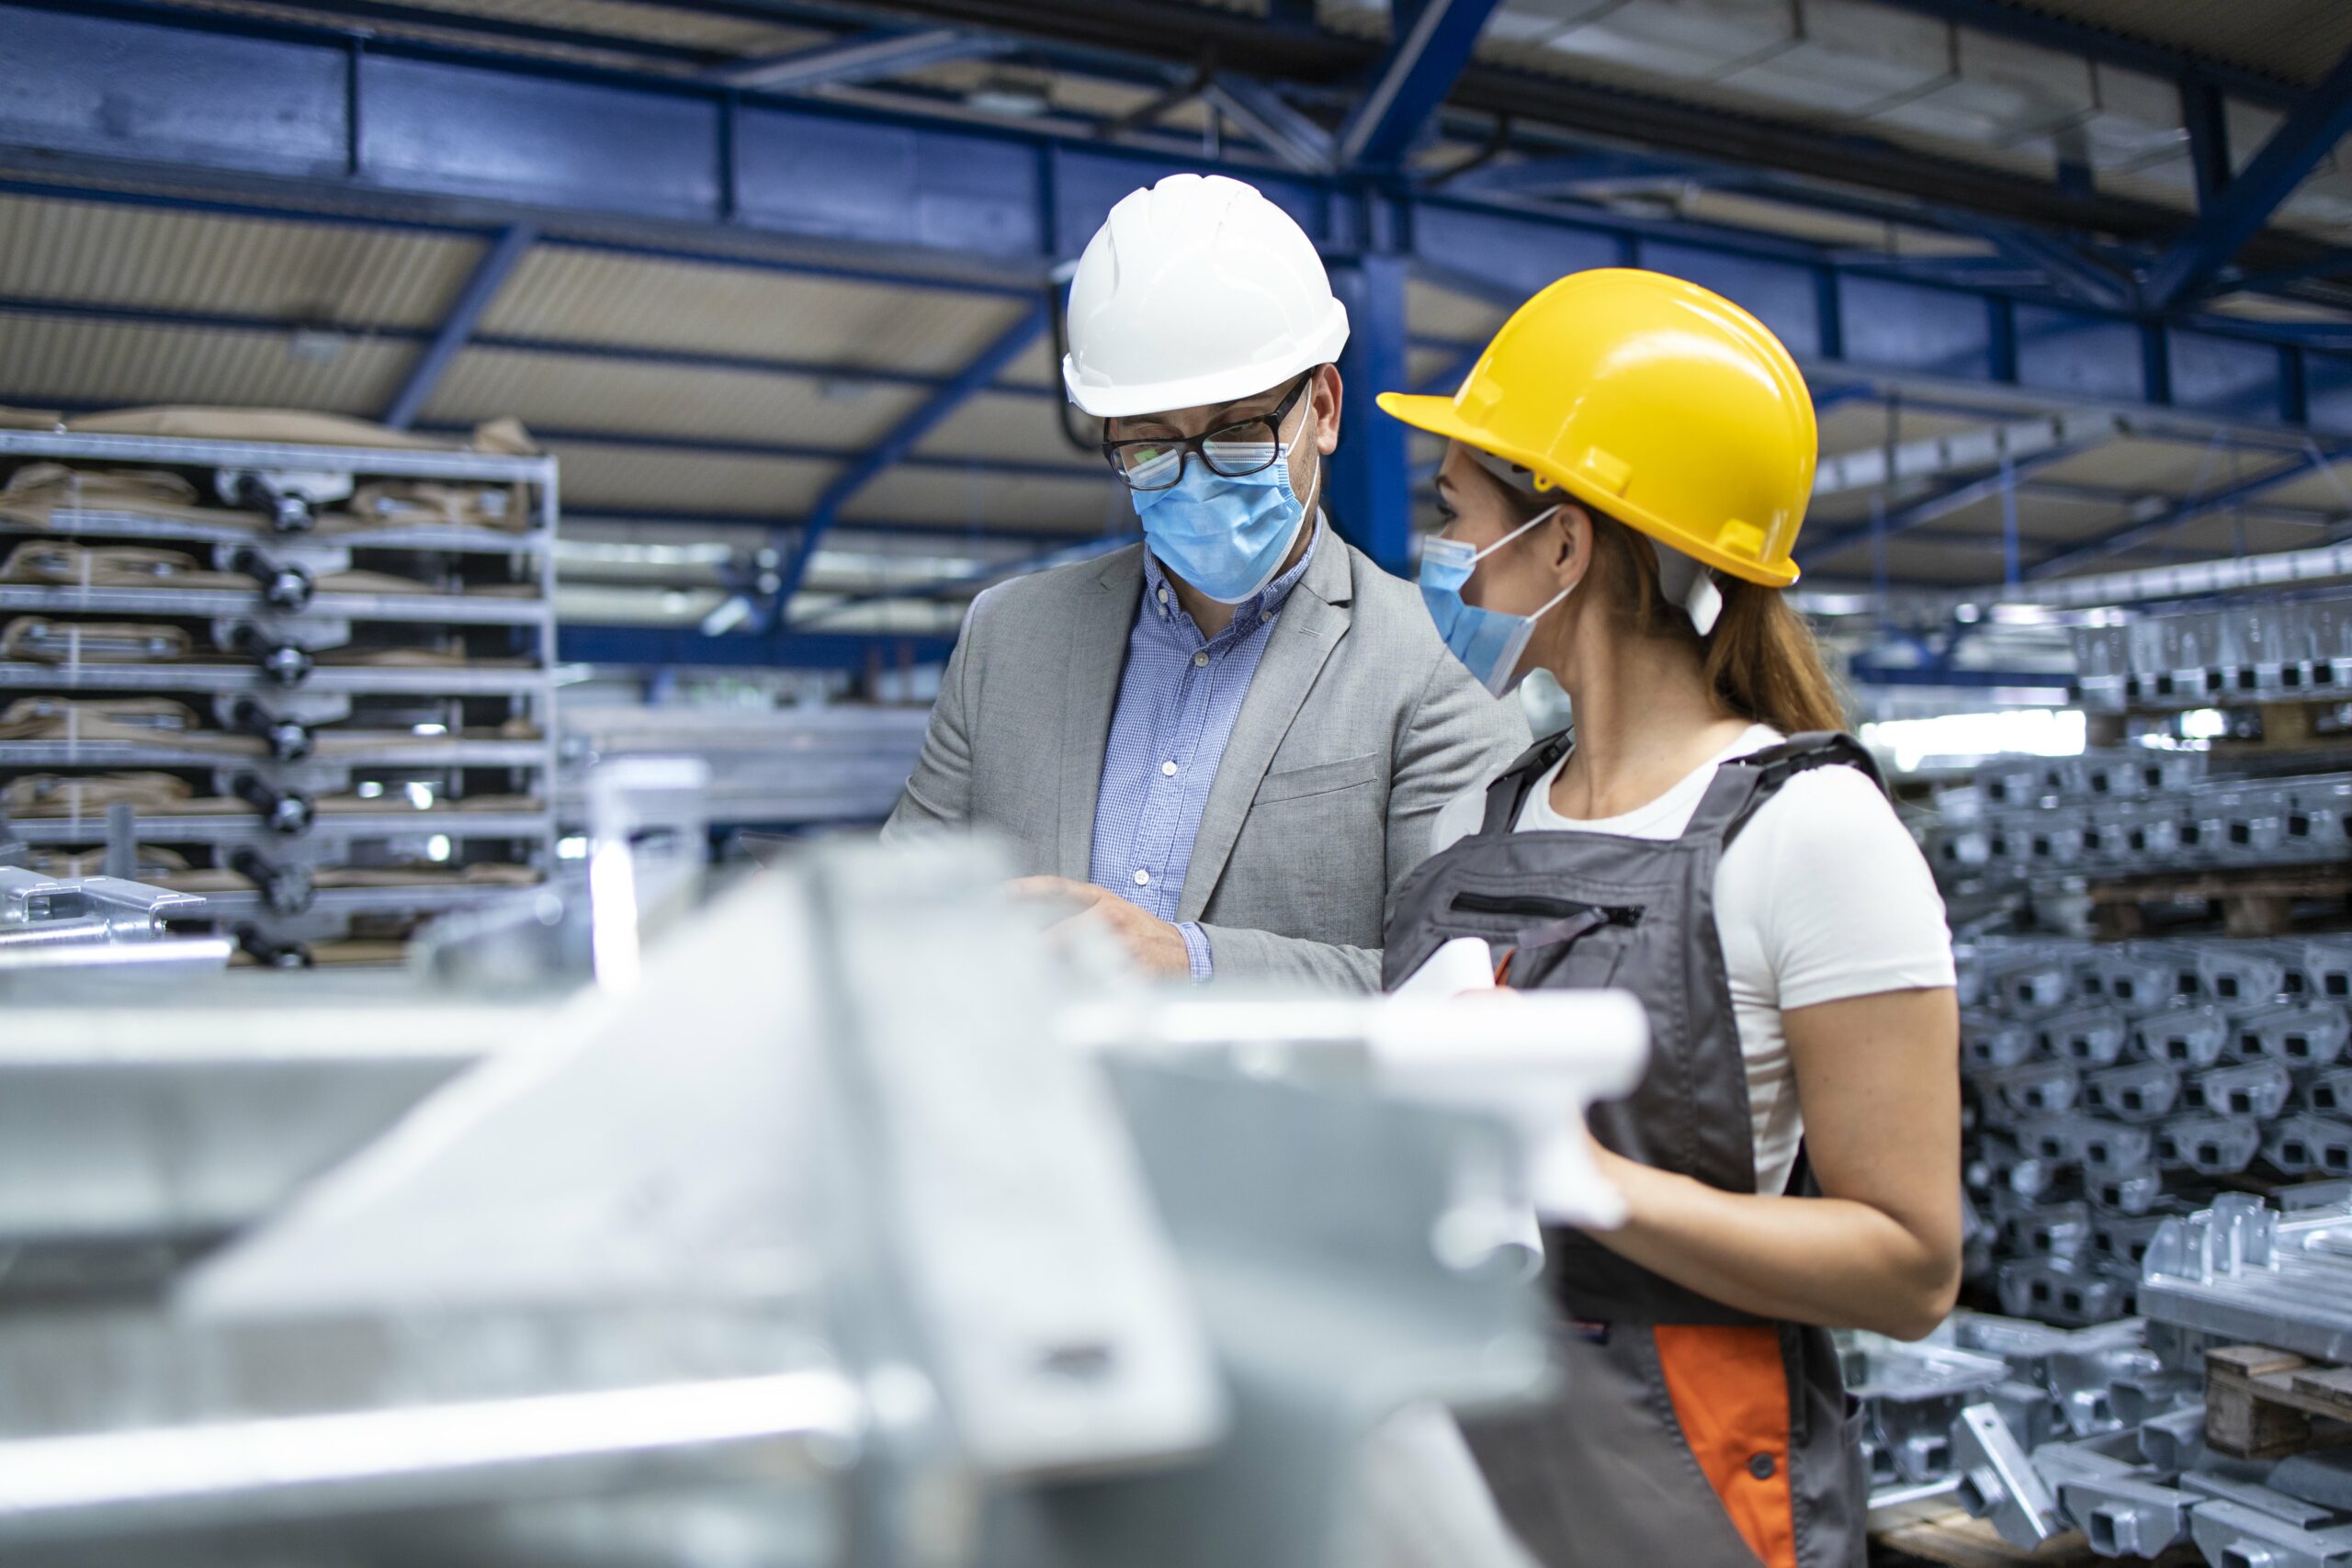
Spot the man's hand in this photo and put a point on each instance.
(1152, 942)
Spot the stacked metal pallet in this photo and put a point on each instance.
(2132, 812)
(2115, 1084)
(2286, 649)
(312, 684)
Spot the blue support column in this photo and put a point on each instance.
(1431, 45)
(2310, 131)
(1371, 491)
(490, 274)
(2204, 111)
(985, 368)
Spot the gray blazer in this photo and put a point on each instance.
(1358, 726)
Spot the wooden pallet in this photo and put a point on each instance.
(2258, 901)
(1955, 1541)
(2265, 1403)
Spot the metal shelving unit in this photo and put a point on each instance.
(356, 728)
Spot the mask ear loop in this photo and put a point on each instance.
(1515, 532)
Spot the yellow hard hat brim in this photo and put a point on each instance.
(1438, 416)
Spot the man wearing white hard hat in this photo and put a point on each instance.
(1227, 743)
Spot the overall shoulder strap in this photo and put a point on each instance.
(1508, 794)
(1744, 783)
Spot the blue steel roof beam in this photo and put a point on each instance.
(498, 263)
(2142, 530)
(1944, 502)
(389, 13)
(1432, 44)
(2312, 128)
(842, 373)
(946, 533)
(1282, 130)
(1582, 172)
(985, 368)
(684, 645)
(870, 57)
(2204, 112)
(994, 571)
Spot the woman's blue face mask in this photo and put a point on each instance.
(1489, 642)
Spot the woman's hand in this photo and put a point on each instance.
(1879, 1079)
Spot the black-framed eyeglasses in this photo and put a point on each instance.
(1246, 447)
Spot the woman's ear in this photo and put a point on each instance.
(1570, 532)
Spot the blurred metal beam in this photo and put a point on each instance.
(1430, 41)
(498, 263)
(1933, 456)
(1952, 498)
(2310, 131)
(2162, 521)
(1286, 132)
(654, 646)
(984, 368)
(870, 57)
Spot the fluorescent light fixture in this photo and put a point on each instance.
(2033, 732)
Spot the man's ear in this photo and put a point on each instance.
(1324, 391)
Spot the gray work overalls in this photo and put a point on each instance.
(1687, 1434)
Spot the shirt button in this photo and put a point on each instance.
(1762, 1467)
(1200, 660)
(1163, 596)
(1169, 769)
(1265, 614)
(1143, 878)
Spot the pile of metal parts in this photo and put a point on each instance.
(842, 1220)
(768, 766)
(2113, 1085)
(2042, 1430)
(313, 684)
(2134, 811)
(2248, 1273)
(2296, 647)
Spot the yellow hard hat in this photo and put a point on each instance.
(1660, 402)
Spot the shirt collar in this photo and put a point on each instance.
(1263, 605)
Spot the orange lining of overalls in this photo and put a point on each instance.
(1731, 1395)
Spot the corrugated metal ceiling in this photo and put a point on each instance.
(51, 361)
(2295, 41)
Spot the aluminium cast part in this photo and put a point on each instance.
(2299, 1035)
(2209, 1145)
(2259, 1090)
(2125, 1516)
(2110, 1147)
(2241, 1272)
(2175, 1440)
(2132, 1192)
(2030, 985)
(2136, 1091)
(2246, 1485)
(2049, 1138)
(2325, 963)
(2050, 1290)
(1989, 1042)
(2239, 973)
(2321, 1477)
(2124, 1239)
(2039, 1089)
(1997, 1481)
(1913, 1394)
(2057, 839)
(122, 910)
(2330, 1093)
(2254, 827)
(2088, 1037)
(2307, 1144)
(2083, 1382)
(2141, 1397)
(2318, 818)
(2194, 1036)
(2140, 976)
(2058, 1231)
(2233, 1536)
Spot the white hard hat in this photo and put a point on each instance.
(1196, 290)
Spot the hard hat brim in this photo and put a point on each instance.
(1438, 416)
(1224, 386)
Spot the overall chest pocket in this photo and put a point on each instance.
(1540, 940)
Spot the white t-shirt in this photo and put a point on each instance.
(1822, 896)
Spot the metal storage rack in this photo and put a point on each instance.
(326, 798)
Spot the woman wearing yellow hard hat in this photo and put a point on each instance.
(1626, 471)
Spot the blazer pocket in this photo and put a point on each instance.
(1321, 778)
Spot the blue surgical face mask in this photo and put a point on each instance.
(1487, 641)
(1225, 536)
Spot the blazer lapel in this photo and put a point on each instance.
(1099, 619)
(1310, 625)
